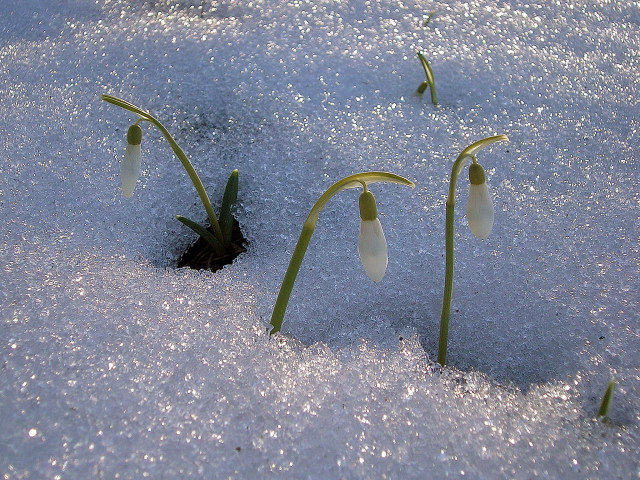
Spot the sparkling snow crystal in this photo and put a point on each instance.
(116, 364)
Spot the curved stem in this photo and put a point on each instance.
(352, 181)
(467, 154)
(195, 179)
(430, 79)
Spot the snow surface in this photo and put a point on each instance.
(116, 364)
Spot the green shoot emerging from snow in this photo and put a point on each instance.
(429, 18)
(220, 239)
(479, 215)
(372, 246)
(429, 82)
(603, 411)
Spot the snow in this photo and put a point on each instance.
(116, 364)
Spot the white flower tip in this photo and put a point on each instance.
(130, 169)
(372, 248)
(480, 211)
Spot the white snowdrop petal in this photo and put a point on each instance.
(480, 210)
(372, 248)
(130, 169)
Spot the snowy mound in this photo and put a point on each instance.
(114, 363)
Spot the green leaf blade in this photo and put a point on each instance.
(229, 199)
(204, 233)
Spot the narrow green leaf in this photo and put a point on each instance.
(229, 199)
(204, 233)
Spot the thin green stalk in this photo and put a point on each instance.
(467, 154)
(195, 179)
(448, 286)
(352, 181)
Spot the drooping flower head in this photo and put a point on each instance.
(372, 245)
(479, 204)
(130, 165)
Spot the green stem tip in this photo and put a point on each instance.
(603, 411)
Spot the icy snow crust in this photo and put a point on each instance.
(115, 364)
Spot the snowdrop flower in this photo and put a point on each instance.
(480, 217)
(130, 165)
(372, 246)
(479, 204)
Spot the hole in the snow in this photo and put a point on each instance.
(200, 255)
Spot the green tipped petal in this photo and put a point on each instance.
(480, 211)
(372, 249)
(130, 169)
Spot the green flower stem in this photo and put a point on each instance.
(429, 74)
(195, 179)
(467, 154)
(352, 181)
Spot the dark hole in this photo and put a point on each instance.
(200, 255)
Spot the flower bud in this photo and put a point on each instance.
(479, 204)
(372, 245)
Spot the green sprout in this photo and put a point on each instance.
(220, 239)
(479, 215)
(429, 18)
(603, 411)
(429, 82)
(372, 246)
